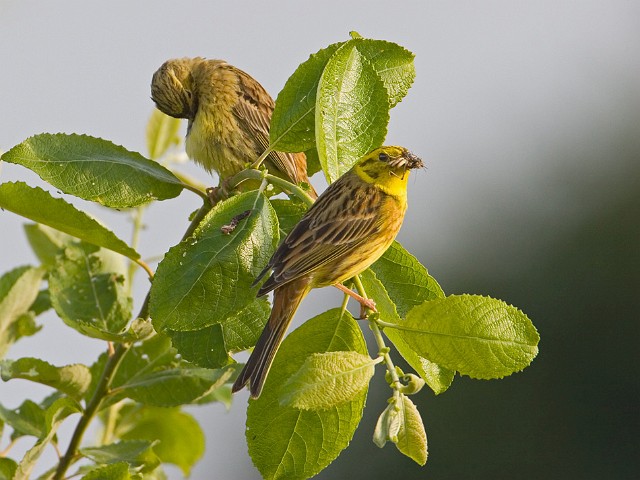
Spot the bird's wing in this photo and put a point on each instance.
(337, 224)
(253, 112)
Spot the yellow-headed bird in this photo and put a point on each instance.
(229, 114)
(347, 229)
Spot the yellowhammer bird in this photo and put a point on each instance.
(229, 114)
(347, 229)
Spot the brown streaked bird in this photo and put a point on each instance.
(348, 228)
(229, 114)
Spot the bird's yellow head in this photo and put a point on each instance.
(388, 168)
(173, 88)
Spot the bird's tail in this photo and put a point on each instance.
(286, 300)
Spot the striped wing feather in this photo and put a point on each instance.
(332, 229)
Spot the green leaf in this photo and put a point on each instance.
(328, 379)
(27, 419)
(180, 438)
(477, 336)
(18, 290)
(114, 471)
(153, 355)
(210, 346)
(74, 380)
(352, 111)
(38, 205)
(293, 120)
(439, 379)
(162, 133)
(7, 468)
(174, 387)
(46, 242)
(53, 417)
(392, 63)
(412, 438)
(405, 279)
(207, 278)
(388, 425)
(289, 213)
(285, 442)
(87, 297)
(95, 169)
(137, 453)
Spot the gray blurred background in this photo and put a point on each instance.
(528, 117)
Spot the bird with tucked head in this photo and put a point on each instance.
(229, 114)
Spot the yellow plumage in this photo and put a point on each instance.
(347, 229)
(229, 114)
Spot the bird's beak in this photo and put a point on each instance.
(412, 161)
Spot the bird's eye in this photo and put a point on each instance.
(383, 157)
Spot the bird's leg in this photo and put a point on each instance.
(365, 303)
(221, 192)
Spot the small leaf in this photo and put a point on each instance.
(210, 346)
(95, 169)
(174, 387)
(289, 213)
(293, 119)
(328, 379)
(46, 242)
(18, 290)
(27, 419)
(162, 133)
(53, 417)
(412, 438)
(387, 426)
(137, 453)
(180, 438)
(88, 298)
(207, 279)
(114, 471)
(73, 380)
(8, 468)
(38, 205)
(285, 442)
(439, 379)
(477, 336)
(352, 111)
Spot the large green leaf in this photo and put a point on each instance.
(293, 119)
(95, 169)
(207, 278)
(392, 63)
(18, 290)
(285, 442)
(88, 297)
(38, 205)
(477, 336)
(352, 111)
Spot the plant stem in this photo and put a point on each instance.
(382, 346)
(252, 174)
(92, 407)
